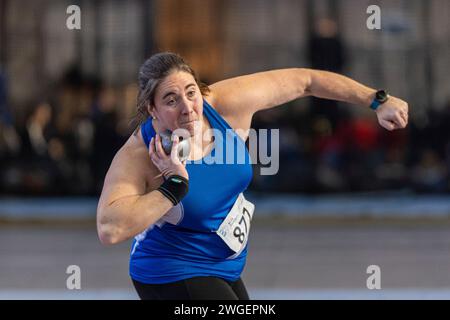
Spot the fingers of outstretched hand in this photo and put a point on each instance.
(399, 121)
(389, 125)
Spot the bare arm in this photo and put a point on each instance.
(259, 91)
(328, 85)
(333, 86)
(127, 205)
(241, 97)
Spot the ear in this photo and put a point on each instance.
(150, 110)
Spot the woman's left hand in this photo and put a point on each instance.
(393, 114)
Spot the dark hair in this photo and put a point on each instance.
(151, 73)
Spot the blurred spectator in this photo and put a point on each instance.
(83, 135)
(9, 139)
(60, 169)
(107, 139)
(328, 149)
(392, 172)
(326, 52)
(127, 109)
(35, 154)
(325, 47)
(10, 143)
(430, 174)
(295, 170)
(38, 131)
(47, 166)
(363, 152)
(346, 158)
(67, 146)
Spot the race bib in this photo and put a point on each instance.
(235, 228)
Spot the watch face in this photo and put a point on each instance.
(381, 96)
(174, 179)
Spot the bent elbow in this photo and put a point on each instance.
(108, 234)
(107, 239)
(303, 82)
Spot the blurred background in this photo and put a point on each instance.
(348, 193)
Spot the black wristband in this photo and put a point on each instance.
(174, 188)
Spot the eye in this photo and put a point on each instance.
(171, 102)
(191, 94)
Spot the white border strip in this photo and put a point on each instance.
(255, 294)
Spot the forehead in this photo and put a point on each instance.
(177, 80)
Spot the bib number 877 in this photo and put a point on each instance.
(236, 226)
(237, 232)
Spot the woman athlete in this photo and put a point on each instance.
(190, 220)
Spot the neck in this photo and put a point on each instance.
(203, 137)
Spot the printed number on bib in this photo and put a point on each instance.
(235, 228)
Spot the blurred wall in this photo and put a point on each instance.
(88, 78)
(224, 38)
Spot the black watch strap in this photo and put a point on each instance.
(174, 188)
(381, 96)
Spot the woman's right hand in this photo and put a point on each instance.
(168, 165)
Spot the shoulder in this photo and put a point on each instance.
(132, 153)
(239, 121)
(132, 161)
(225, 96)
(223, 101)
(217, 98)
(131, 172)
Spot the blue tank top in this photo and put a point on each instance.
(188, 246)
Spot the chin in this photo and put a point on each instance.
(193, 128)
(190, 128)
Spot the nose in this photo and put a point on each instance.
(188, 106)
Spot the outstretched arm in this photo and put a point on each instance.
(393, 114)
(245, 95)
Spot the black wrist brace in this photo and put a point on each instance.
(174, 188)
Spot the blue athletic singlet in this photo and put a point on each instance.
(188, 246)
